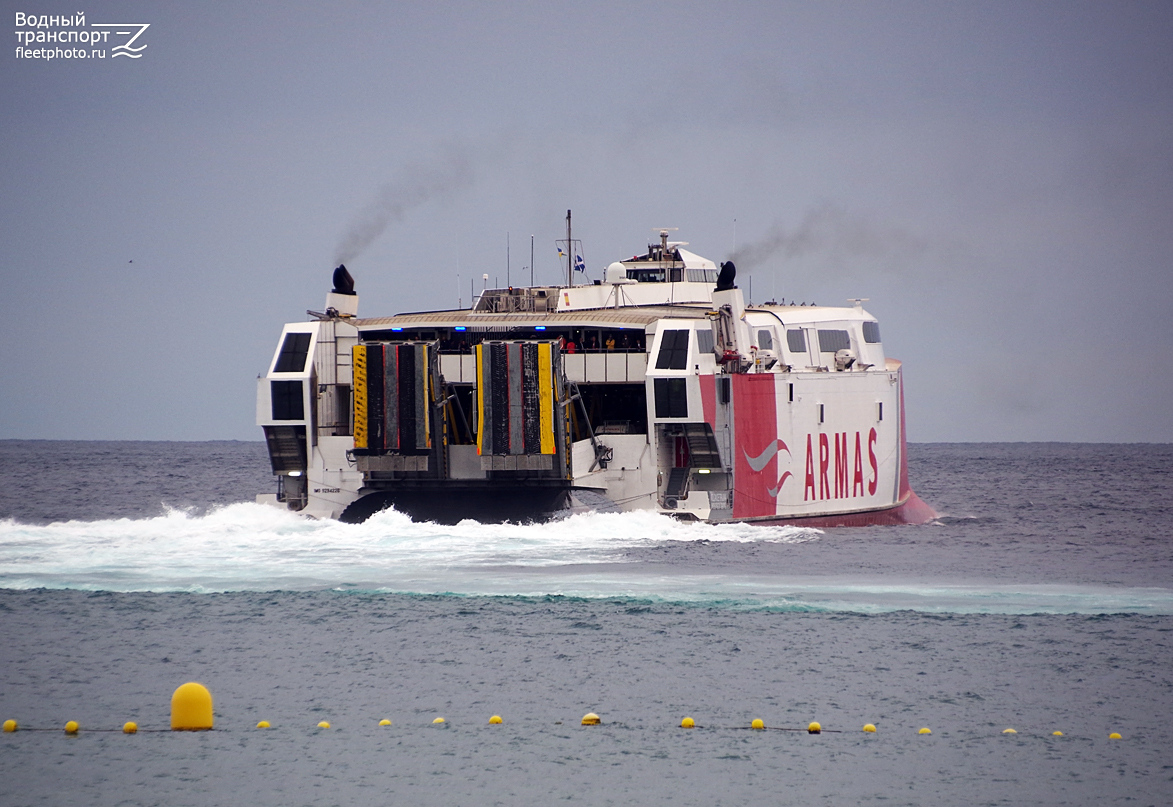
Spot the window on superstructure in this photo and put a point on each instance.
(871, 332)
(796, 340)
(673, 351)
(830, 341)
(671, 397)
(765, 339)
(704, 341)
(287, 401)
(646, 275)
(293, 353)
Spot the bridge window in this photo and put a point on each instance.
(765, 339)
(871, 332)
(830, 341)
(796, 340)
(646, 275)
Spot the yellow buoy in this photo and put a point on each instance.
(71, 727)
(1056, 734)
(687, 723)
(191, 708)
(495, 719)
(591, 719)
(129, 727)
(925, 730)
(757, 723)
(1114, 736)
(324, 725)
(10, 725)
(384, 722)
(814, 728)
(264, 724)
(869, 728)
(437, 720)
(1009, 731)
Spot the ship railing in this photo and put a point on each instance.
(515, 300)
(608, 367)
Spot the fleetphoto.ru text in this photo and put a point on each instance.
(56, 36)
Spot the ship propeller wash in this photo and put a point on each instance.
(655, 388)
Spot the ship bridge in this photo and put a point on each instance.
(666, 274)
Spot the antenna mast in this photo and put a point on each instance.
(573, 255)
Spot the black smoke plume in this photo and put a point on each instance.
(833, 232)
(416, 186)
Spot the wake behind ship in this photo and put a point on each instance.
(655, 388)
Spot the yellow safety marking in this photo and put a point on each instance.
(360, 396)
(480, 400)
(545, 398)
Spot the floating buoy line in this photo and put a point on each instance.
(191, 710)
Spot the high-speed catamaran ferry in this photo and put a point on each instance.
(655, 388)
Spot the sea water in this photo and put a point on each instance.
(1040, 600)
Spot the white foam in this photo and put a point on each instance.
(247, 546)
(251, 547)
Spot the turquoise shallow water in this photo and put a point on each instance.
(1039, 601)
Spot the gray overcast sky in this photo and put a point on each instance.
(996, 177)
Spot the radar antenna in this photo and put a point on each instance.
(663, 231)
